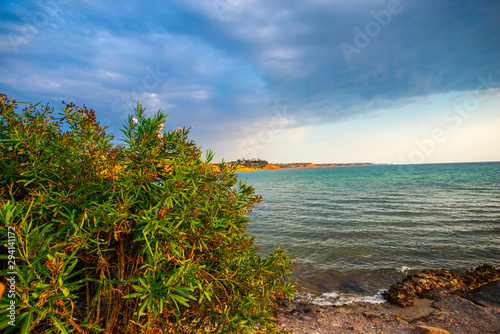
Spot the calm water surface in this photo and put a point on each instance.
(356, 230)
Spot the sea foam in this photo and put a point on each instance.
(339, 299)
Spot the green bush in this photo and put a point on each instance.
(145, 237)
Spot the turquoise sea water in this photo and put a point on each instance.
(356, 230)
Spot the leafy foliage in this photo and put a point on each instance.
(146, 237)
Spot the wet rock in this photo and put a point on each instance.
(487, 296)
(480, 276)
(431, 282)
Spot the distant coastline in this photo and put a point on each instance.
(244, 165)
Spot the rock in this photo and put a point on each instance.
(371, 314)
(482, 275)
(430, 282)
(429, 330)
(421, 309)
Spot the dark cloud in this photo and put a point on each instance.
(219, 63)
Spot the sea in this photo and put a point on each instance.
(354, 231)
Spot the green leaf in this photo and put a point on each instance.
(59, 325)
(25, 329)
(133, 295)
(142, 308)
(179, 299)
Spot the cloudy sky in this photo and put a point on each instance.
(383, 81)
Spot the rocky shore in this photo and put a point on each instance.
(430, 282)
(433, 301)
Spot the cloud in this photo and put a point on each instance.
(223, 65)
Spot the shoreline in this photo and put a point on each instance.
(431, 301)
(448, 313)
(245, 169)
(250, 166)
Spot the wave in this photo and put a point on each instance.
(339, 299)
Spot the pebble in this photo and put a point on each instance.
(370, 314)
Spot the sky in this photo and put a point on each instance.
(322, 81)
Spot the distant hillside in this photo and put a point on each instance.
(259, 164)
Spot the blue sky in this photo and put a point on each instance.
(383, 81)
